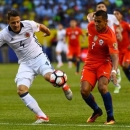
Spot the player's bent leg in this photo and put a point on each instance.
(106, 96)
(30, 102)
(65, 87)
(89, 99)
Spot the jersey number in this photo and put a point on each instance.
(21, 44)
(93, 44)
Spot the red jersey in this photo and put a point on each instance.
(73, 35)
(101, 45)
(123, 45)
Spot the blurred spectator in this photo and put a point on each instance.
(51, 12)
(4, 49)
(5, 53)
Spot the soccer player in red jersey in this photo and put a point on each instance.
(112, 21)
(100, 66)
(124, 45)
(73, 34)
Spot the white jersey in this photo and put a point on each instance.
(61, 45)
(61, 34)
(112, 20)
(24, 43)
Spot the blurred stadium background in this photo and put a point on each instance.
(50, 13)
(63, 115)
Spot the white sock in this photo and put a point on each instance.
(31, 103)
(118, 76)
(59, 58)
(118, 71)
(70, 64)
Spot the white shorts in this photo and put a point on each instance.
(61, 47)
(28, 70)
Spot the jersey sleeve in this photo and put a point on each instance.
(113, 46)
(35, 26)
(90, 26)
(80, 31)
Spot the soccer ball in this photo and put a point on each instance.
(58, 78)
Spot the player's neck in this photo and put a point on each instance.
(103, 30)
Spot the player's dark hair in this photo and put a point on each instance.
(117, 9)
(100, 3)
(101, 13)
(13, 13)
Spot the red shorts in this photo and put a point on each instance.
(92, 75)
(74, 52)
(124, 57)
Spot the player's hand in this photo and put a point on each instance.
(113, 77)
(90, 16)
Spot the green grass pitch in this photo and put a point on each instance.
(63, 114)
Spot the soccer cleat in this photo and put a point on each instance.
(41, 120)
(67, 91)
(117, 88)
(94, 116)
(110, 121)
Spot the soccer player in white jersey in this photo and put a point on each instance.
(112, 20)
(61, 44)
(20, 36)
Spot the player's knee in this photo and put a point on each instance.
(102, 88)
(22, 89)
(85, 91)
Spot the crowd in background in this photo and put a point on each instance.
(51, 12)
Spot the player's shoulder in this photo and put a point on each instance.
(110, 34)
(27, 22)
(111, 16)
(4, 31)
(124, 22)
(90, 25)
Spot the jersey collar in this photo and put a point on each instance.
(21, 24)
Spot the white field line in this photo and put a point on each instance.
(68, 125)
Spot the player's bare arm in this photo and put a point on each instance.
(90, 16)
(114, 58)
(45, 30)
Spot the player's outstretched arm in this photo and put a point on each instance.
(45, 30)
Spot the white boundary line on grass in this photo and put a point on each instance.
(70, 125)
